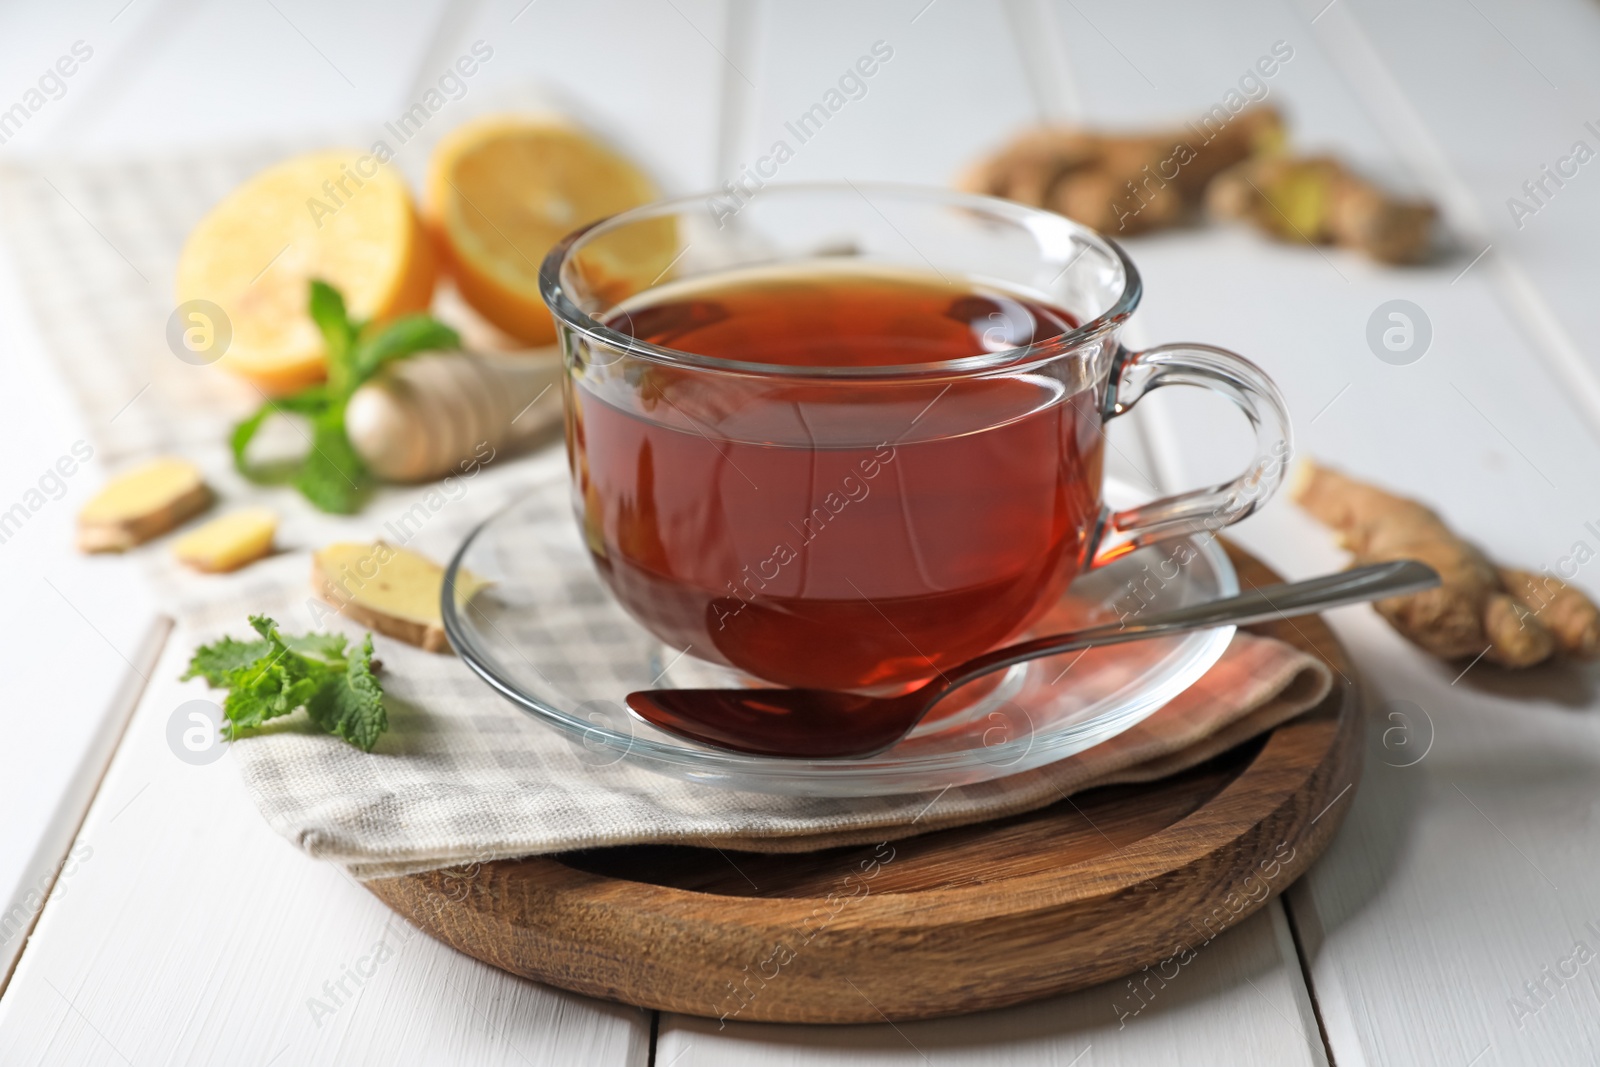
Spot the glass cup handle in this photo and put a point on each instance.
(1135, 374)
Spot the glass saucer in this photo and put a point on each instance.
(548, 636)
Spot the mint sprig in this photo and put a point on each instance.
(331, 474)
(275, 675)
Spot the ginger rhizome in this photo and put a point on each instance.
(1515, 618)
(1122, 184)
(1318, 200)
(1125, 184)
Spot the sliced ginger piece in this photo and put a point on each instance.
(141, 504)
(392, 590)
(228, 542)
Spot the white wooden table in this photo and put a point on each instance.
(1441, 928)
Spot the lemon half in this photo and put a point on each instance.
(503, 189)
(344, 217)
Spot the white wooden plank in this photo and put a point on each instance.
(185, 931)
(1466, 861)
(1458, 878)
(648, 75)
(76, 626)
(1302, 314)
(1496, 147)
(951, 85)
(55, 823)
(180, 72)
(71, 628)
(73, 636)
(1234, 1003)
(1473, 424)
(182, 930)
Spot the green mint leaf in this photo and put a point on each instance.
(276, 675)
(275, 684)
(312, 402)
(330, 648)
(350, 703)
(243, 434)
(215, 662)
(332, 476)
(327, 310)
(401, 338)
(268, 694)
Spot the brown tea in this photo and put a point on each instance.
(844, 532)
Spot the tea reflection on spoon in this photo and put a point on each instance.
(824, 724)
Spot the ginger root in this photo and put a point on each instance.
(1318, 200)
(438, 414)
(1127, 184)
(141, 504)
(1566, 612)
(1511, 617)
(1122, 184)
(392, 590)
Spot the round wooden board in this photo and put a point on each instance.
(957, 921)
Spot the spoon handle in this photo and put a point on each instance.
(1372, 582)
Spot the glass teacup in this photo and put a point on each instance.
(848, 436)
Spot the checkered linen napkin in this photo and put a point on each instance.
(461, 776)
